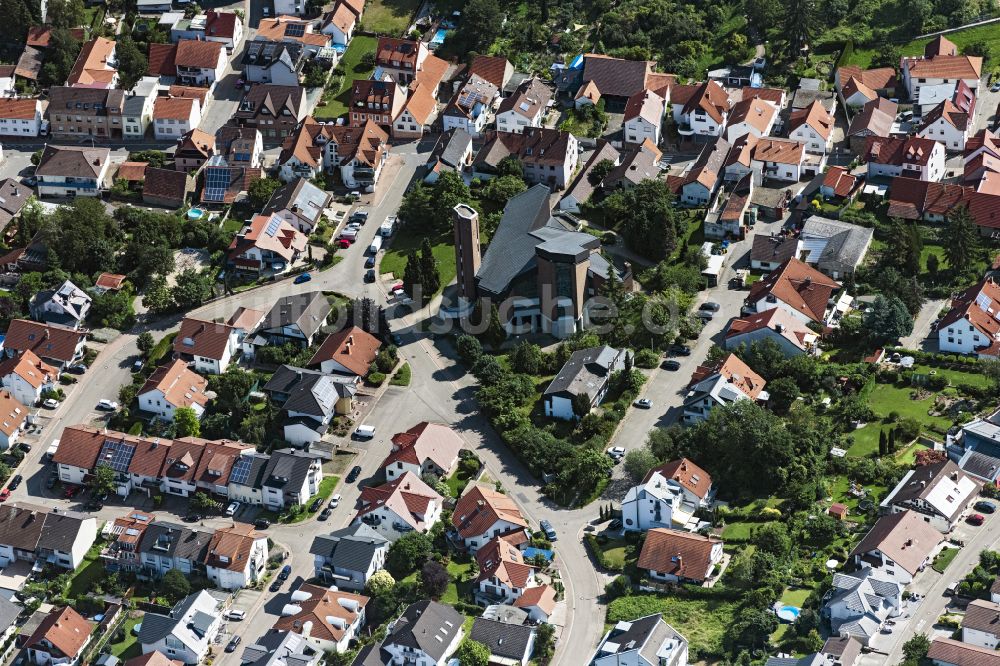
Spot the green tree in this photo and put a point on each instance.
(887, 320)
(501, 190)
(773, 538)
(599, 171)
(407, 554)
(481, 24)
(430, 275)
(783, 392)
(510, 166)
(113, 309)
(907, 244)
(132, 63)
(145, 343)
(638, 462)
(59, 58)
(186, 422)
(883, 444)
(81, 237)
(157, 298)
(380, 584)
(915, 650)
(495, 333)
(960, 240)
(527, 358)
(932, 265)
(261, 190)
(891, 445)
(646, 217)
(175, 585)
(799, 24)
(103, 481)
(202, 502)
(762, 14)
(981, 48)
(411, 273)
(469, 349)
(191, 289)
(473, 653)
(66, 13)
(544, 643)
(581, 404)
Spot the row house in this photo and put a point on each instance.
(947, 124)
(125, 534)
(85, 112)
(401, 59)
(45, 536)
(174, 117)
(274, 110)
(548, 156)
(377, 101)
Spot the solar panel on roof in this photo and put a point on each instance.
(272, 225)
(241, 470)
(116, 455)
(295, 30)
(216, 183)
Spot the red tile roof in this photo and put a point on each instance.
(967, 305)
(686, 473)
(180, 387)
(911, 199)
(711, 98)
(162, 60)
(352, 348)
(408, 497)
(798, 285)
(945, 67)
(230, 547)
(207, 339)
(426, 441)
(63, 628)
(681, 554)
(502, 561)
(47, 340)
(480, 508)
(18, 109)
(734, 371)
(491, 68)
(542, 596)
(30, 368)
(196, 53)
(839, 180)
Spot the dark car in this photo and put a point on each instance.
(192, 518)
(354, 474)
(370, 275)
(985, 507)
(317, 503)
(710, 306)
(615, 524)
(94, 505)
(262, 523)
(15, 482)
(550, 532)
(671, 365)
(286, 571)
(325, 514)
(231, 646)
(680, 350)
(24, 446)
(275, 586)
(370, 262)
(76, 369)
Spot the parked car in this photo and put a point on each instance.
(15, 482)
(976, 519)
(370, 275)
(324, 514)
(76, 369)
(334, 501)
(302, 277)
(231, 646)
(276, 585)
(549, 531)
(342, 243)
(985, 506)
(261, 523)
(50, 403)
(353, 475)
(643, 403)
(370, 262)
(680, 350)
(705, 315)
(316, 504)
(4, 494)
(616, 452)
(671, 365)
(232, 508)
(286, 571)
(24, 446)
(615, 524)
(107, 405)
(192, 517)
(236, 614)
(710, 306)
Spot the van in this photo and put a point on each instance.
(364, 432)
(376, 245)
(388, 226)
(53, 447)
(349, 234)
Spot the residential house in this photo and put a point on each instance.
(646, 641)
(300, 203)
(813, 127)
(721, 384)
(809, 92)
(790, 333)
(912, 199)
(838, 184)
(581, 189)
(679, 557)
(482, 514)
(268, 245)
(795, 287)
(914, 157)
(162, 63)
(274, 110)
(525, 108)
(841, 650)
(187, 632)
(7, 77)
(835, 248)
(538, 602)
(426, 448)
(349, 352)
(643, 118)
(246, 479)
(290, 478)
(509, 644)
(615, 79)
(26, 377)
(212, 26)
(858, 605)
(109, 282)
(72, 171)
(700, 110)
(971, 325)
(58, 346)
(244, 321)
(940, 492)
(279, 63)
(855, 94)
(938, 68)
(981, 624)
(586, 375)
(751, 115)
(328, 618)
(171, 387)
(67, 305)
(503, 573)
(419, 111)
(349, 556)
(241, 146)
(13, 416)
(200, 63)
(166, 187)
(495, 69)
(174, 117)
(898, 545)
(452, 152)
(237, 557)
(301, 32)
(699, 183)
(876, 119)
(729, 214)
(209, 344)
(946, 124)
(313, 397)
(297, 319)
(881, 80)
(165, 546)
(13, 197)
(20, 117)
(94, 66)
(471, 106)
(125, 532)
(425, 634)
(193, 150)
(930, 97)
(137, 109)
(376, 100)
(401, 59)
(781, 159)
(339, 23)
(36, 534)
(668, 497)
(281, 648)
(638, 162)
(949, 652)
(29, 64)
(356, 152)
(60, 639)
(549, 156)
(398, 507)
(9, 615)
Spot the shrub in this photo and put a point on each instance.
(376, 378)
(619, 587)
(907, 430)
(402, 376)
(646, 358)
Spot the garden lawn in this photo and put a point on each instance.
(961, 38)
(389, 17)
(885, 399)
(796, 597)
(840, 485)
(944, 558)
(457, 591)
(702, 621)
(442, 246)
(337, 100)
(129, 647)
(614, 552)
(740, 531)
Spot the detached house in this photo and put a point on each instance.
(72, 171)
(587, 372)
(400, 506)
(340, 22)
(781, 159)
(947, 124)
(58, 346)
(646, 641)
(349, 352)
(268, 245)
(349, 556)
(914, 157)
(200, 63)
(751, 115)
(300, 203)
(187, 632)
(171, 387)
(940, 64)
(470, 108)
(482, 514)
(668, 497)
(13, 416)
(949, 652)
(426, 448)
(697, 186)
(328, 619)
(813, 127)
(94, 66)
(972, 325)
(795, 287)
(503, 573)
(26, 377)
(643, 117)
(290, 478)
(859, 604)
(310, 399)
(357, 153)
(549, 156)
(981, 624)
(898, 546)
(67, 305)
(20, 117)
(790, 333)
(679, 557)
(237, 557)
(426, 633)
(60, 639)
(721, 384)
(940, 492)
(525, 108)
(295, 319)
(700, 110)
(210, 345)
(273, 62)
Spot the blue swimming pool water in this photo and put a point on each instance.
(788, 613)
(196, 214)
(439, 36)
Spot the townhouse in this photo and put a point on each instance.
(946, 124)
(377, 101)
(549, 156)
(525, 108)
(719, 384)
(349, 556)
(165, 546)
(36, 534)
(482, 514)
(327, 618)
(401, 59)
(72, 171)
(20, 117)
(400, 506)
(210, 345)
(137, 109)
(125, 534)
(274, 110)
(172, 387)
(426, 448)
(697, 185)
(193, 150)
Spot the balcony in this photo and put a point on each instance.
(684, 129)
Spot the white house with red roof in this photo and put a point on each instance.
(399, 507)
(644, 117)
(171, 387)
(723, 383)
(790, 333)
(20, 117)
(939, 65)
(913, 157)
(268, 244)
(947, 124)
(26, 376)
(795, 287)
(972, 325)
(812, 127)
(701, 109)
(679, 557)
(668, 497)
(209, 344)
(503, 573)
(482, 514)
(426, 448)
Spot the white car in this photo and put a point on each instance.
(643, 403)
(50, 403)
(616, 451)
(107, 405)
(334, 501)
(236, 614)
(232, 508)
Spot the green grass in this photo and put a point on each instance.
(944, 558)
(739, 531)
(961, 38)
(457, 591)
(165, 344)
(614, 552)
(402, 376)
(82, 582)
(885, 399)
(337, 100)
(389, 17)
(442, 246)
(795, 598)
(458, 481)
(702, 621)
(129, 647)
(840, 485)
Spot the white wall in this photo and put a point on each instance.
(961, 337)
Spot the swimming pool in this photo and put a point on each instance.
(439, 37)
(788, 613)
(196, 214)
